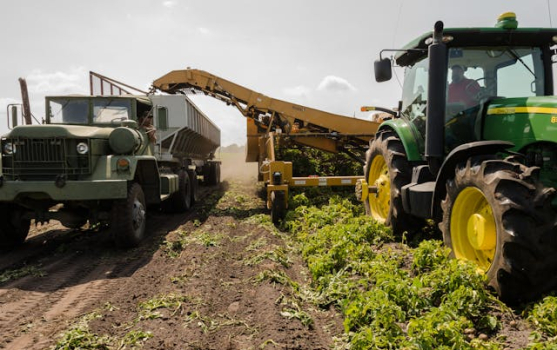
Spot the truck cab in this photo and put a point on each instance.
(97, 159)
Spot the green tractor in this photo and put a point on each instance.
(473, 146)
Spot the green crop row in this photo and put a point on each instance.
(393, 296)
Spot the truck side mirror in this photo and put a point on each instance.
(12, 115)
(383, 70)
(162, 118)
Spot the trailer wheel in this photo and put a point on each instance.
(498, 215)
(180, 201)
(127, 222)
(13, 227)
(388, 169)
(278, 206)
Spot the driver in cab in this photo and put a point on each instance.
(461, 89)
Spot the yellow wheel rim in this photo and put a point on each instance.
(378, 176)
(473, 230)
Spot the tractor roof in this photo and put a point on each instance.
(462, 37)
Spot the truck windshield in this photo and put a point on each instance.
(68, 111)
(108, 110)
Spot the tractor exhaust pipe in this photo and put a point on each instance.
(436, 100)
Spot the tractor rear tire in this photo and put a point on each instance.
(498, 215)
(388, 168)
(13, 227)
(128, 216)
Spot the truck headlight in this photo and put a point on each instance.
(82, 148)
(9, 148)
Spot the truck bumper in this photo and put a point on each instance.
(71, 190)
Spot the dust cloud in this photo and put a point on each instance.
(234, 167)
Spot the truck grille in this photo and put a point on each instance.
(44, 159)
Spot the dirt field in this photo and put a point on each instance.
(219, 277)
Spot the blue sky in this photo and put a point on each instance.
(315, 53)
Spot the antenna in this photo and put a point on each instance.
(549, 13)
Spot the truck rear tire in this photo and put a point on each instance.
(388, 168)
(127, 222)
(194, 186)
(13, 227)
(214, 174)
(181, 201)
(498, 215)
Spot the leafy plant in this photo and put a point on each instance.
(392, 296)
(10, 275)
(149, 309)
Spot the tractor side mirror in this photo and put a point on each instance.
(383, 71)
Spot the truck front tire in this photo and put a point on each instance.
(13, 227)
(127, 222)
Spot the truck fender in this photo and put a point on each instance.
(459, 155)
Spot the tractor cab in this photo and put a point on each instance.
(482, 67)
(473, 147)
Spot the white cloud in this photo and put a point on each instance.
(333, 83)
(170, 3)
(203, 30)
(297, 91)
(73, 81)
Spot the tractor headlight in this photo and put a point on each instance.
(9, 148)
(82, 148)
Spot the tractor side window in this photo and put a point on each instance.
(521, 74)
(414, 94)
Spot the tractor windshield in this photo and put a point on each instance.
(476, 75)
(479, 73)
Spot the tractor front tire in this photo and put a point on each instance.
(127, 222)
(388, 169)
(498, 215)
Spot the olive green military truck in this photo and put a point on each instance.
(105, 160)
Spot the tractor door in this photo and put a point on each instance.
(414, 99)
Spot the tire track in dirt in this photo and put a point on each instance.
(48, 297)
(77, 279)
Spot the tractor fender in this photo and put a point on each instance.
(407, 136)
(458, 155)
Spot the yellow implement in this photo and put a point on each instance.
(270, 120)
